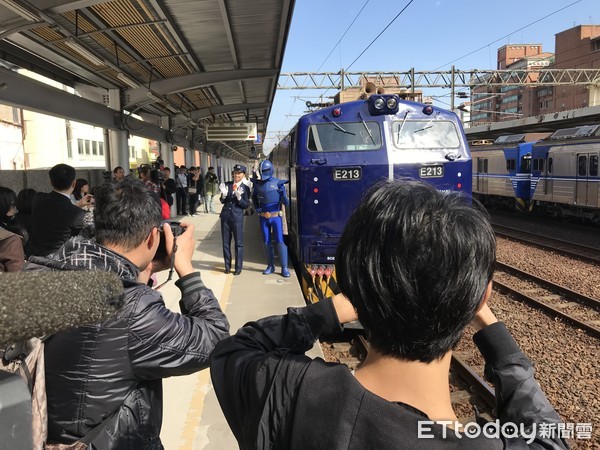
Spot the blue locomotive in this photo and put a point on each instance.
(334, 154)
(502, 172)
(557, 175)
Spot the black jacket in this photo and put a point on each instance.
(54, 220)
(275, 397)
(233, 209)
(115, 369)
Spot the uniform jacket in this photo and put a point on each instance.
(233, 209)
(275, 397)
(111, 373)
(54, 220)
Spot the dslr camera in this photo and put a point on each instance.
(156, 170)
(176, 228)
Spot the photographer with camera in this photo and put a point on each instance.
(211, 188)
(104, 382)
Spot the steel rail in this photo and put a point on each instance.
(503, 288)
(563, 290)
(572, 249)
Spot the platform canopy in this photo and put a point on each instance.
(198, 62)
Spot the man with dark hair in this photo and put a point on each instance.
(168, 186)
(415, 265)
(104, 381)
(118, 174)
(181, 194)
(54, 218)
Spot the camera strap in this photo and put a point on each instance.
(172, 265)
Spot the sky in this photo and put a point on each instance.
(428, 35)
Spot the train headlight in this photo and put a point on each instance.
(383, 104)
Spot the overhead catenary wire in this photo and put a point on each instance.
(380, 33)
(327, 57)
(509, 34)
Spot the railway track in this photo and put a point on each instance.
(567, 248)
(577, 309)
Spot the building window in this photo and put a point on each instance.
(101, 148)
(80, 148)
(510, 98)
(544, 104)
(88, 147)
(596, 45)
(69, 149)
(131, 151)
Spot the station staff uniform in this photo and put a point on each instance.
(232, 220)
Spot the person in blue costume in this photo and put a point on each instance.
(268, 196)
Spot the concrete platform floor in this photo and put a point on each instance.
(192, 418)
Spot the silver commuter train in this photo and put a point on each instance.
(564, 173)
(557, 175)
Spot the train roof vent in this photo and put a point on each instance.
(575, 132)
(510, 139)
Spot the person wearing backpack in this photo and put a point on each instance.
(105, 379)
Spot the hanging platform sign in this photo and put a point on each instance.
(231, 132)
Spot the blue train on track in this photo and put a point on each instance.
(557, 175)
(334, 154)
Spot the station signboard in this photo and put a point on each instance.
(231, 132)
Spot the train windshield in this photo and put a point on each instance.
(344, 136)
(425, 134)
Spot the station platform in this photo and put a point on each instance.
(192, 418)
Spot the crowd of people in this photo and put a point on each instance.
(414, 265)
(38, 223)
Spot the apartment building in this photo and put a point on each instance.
(576, 48)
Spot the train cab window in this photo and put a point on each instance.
(582, 166)
(511, 164)
(550, 164)
(344, 136)
(525, 164)
(293, 149)
(593, 165)
(425, 134)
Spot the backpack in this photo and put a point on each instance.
(26, 359)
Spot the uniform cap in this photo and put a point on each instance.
(239, 168)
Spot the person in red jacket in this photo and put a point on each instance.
(415, 265)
